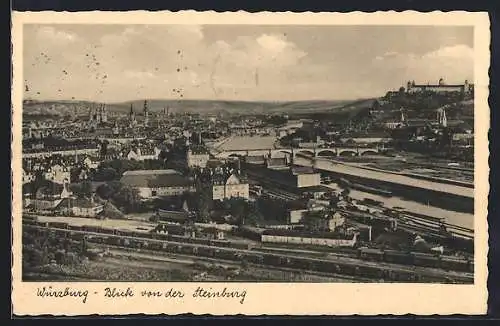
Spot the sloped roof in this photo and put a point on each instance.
(155, 180)
(304, 234)
(302, 170)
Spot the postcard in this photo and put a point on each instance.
(250, 163)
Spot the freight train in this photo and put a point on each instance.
(417, 259)
(278, 260)
(145, 235)
(212, 248)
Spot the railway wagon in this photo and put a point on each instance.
(58, 225)
(75, 227)
(30, 218)
(107, 231)
(254, 258)
(224, 254)
(371, 254)
(403, 276)
(91, 228)
(425, 260)
(206, 251)
(398, 257)
(275, 260)
(30, 222)
(219, 243)
(370, 272)
(236, 245)
(156, 246)
(451, 263)
(40, 224)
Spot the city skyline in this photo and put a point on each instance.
(116, 63)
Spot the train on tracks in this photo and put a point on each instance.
(211, 248)
(138, 234)
(139, 242)
(417, 259)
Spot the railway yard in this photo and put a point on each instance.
(359, 264)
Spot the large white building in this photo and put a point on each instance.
(232, 186)
(197, 158)
(440, 87)
(58, 174)
(143, 154)
(157, 183)
(306, 177)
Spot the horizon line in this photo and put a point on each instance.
(199, 99)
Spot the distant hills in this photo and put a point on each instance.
(31, 107)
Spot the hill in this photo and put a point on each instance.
(192, 106)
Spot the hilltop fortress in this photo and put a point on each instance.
(440, 87)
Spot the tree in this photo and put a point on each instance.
(128, 198)
(82, 189)
(346, 192)
(105, 174)
(107, 190)
(75, 174)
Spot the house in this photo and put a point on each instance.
(81, 207)
(214, 233)
(91, 162)
(142, 154)
(28, 177)
(225, 186)
(157, 183)
(277, 162)
(197, 158)
(58, 174)
(306, 177)
(322, 220)
(46, 197)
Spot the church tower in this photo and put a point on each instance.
(444, 120)
(104, 113)
(131, 116)
(146, 113)
(98, 114)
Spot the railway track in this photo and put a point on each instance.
(339, 265)
(228, 263)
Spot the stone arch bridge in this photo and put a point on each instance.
(297, 152)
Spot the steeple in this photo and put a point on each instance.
(104, 113)
(132, 115)
(444, 120)
(146, 113)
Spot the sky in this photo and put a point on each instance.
(115, 63)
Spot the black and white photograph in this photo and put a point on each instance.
(248, 153)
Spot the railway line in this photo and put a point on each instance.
(423, 222)
(338, 265)
(271, 189)
(187, 259)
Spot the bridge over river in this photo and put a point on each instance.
(297, 152)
